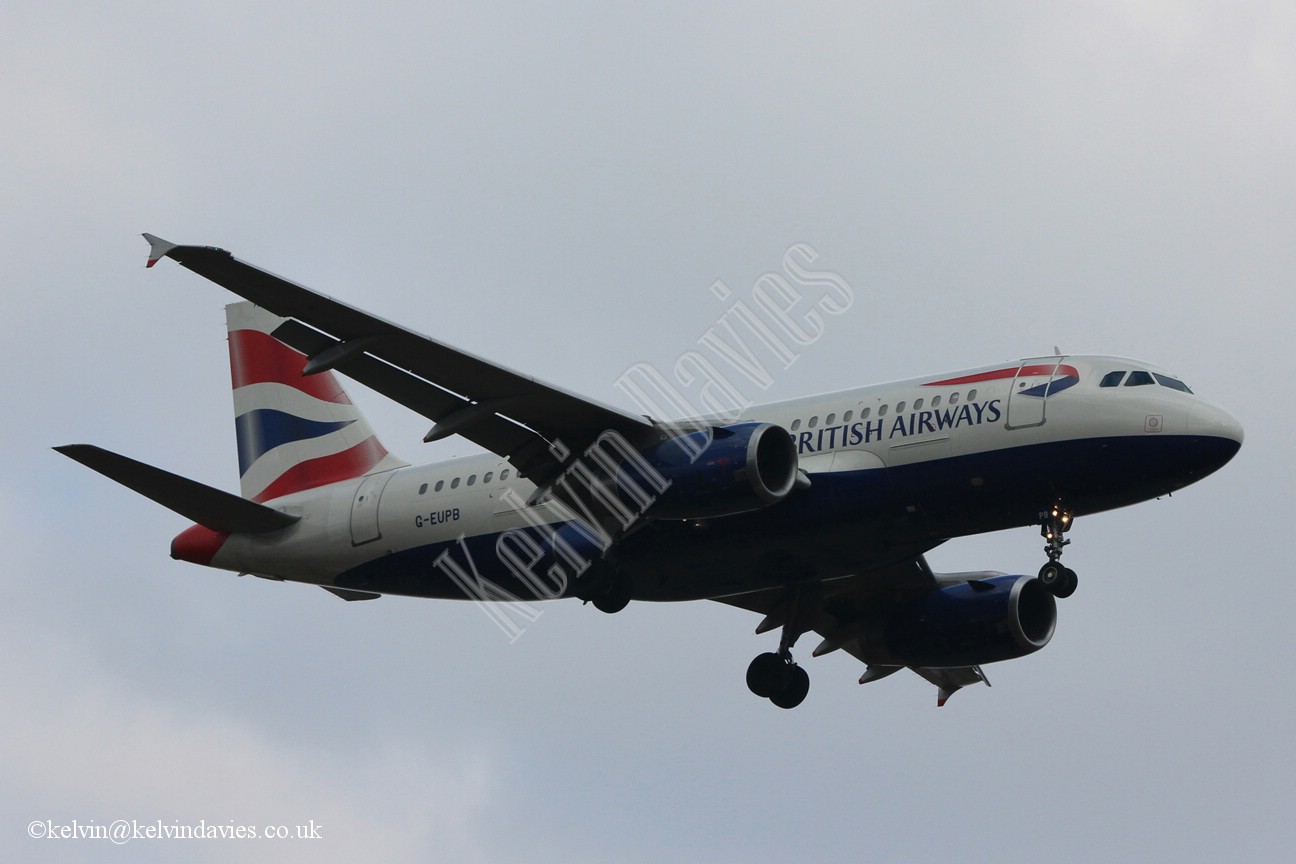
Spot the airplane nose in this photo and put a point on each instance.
(1217, 433)
(1211, 421)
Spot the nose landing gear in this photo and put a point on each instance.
(1054, 523)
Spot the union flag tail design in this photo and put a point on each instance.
(294, 432)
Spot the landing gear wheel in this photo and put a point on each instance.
(1060, 581)
(794, 689)
(1068, 586)
(774, 677)
(1052, 576)
(615, 597)
(767, 674)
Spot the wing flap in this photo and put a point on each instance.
(548, 409)
(350, 594)
(838, 612)
(950, 679)
(495, 433)
(433, 378)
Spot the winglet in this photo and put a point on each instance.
(158, 248)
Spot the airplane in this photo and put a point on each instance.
(814, 513)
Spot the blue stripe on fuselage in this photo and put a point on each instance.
(851, 521)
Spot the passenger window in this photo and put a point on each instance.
(814, 421)
(953, 398)
(864, 413)
(489, 475)
(935, 401)
(1172, 383)
(440, 485)
(846, 418)
(971, 395)
(1112, 379)
(1138, 379)
(472, 478)
(830, 419)
(917, 404)
(504, 475)
(423, 489)
(882, 411)
(796, 424)
(899, 407)
(454, 484)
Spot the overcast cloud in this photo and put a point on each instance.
(557, 188)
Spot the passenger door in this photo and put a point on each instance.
(1027, 400)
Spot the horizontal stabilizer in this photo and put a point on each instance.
(212, 508)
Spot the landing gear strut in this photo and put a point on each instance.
(774, 675)
(1054, 523)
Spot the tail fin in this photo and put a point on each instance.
(294, 432)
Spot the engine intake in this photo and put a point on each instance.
(718, 471)
(979, 621)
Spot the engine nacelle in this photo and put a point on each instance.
(980, 621)
(718, 471)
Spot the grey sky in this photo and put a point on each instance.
(557, 188)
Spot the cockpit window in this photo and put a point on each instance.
(1172, 383)
(1112, 379)
(1138, 378)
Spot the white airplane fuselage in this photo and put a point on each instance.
(893, 469)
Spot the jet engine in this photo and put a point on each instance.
(716, 471)
(974, 622)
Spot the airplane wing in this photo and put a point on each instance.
(837, 610)
(514, 415)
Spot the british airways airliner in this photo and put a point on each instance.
(814, 513)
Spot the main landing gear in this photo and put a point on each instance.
(774, 675)
(609, 590)
(1054, 523)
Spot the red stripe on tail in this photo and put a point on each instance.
(258, 358)
(327, 469)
